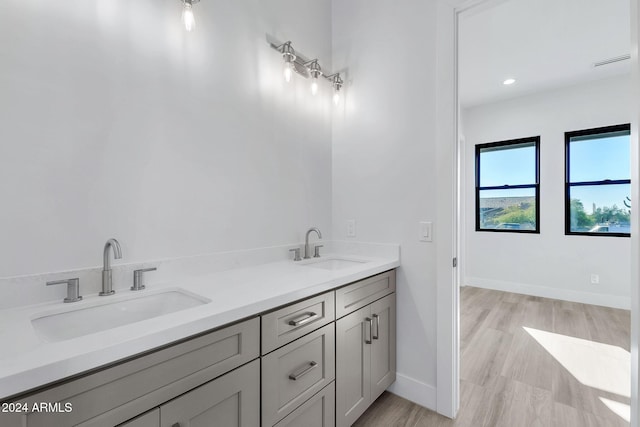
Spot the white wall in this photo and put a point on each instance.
(384, 160)
(550, 264)
(115, 122)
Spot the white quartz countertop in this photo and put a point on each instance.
(27, 362)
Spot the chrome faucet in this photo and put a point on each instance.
(307, 252)
(107, 283)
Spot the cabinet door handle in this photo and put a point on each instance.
(376, 318)
(304, 319)
(176, 425)
(304, 371)
(370, 322)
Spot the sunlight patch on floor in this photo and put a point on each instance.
(621, 409)
(600, 366)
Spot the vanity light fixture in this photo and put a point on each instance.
(509, 82)
(315, 71)
(307, 68)
(188, 19)
(337, 83)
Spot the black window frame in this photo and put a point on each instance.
(532, 139)
(568, 184)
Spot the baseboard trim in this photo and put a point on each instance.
(415, 391)
(605, 300)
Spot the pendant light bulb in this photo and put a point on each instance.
(187, 16)
(337, 83)
(315, 71)
(288, 71)
(289, 56)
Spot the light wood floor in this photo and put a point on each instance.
(529, 361)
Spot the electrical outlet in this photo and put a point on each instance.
(595, 279)
(351, 228)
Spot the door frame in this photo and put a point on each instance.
(448, 155)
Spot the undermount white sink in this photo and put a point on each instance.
(334, 264)
(60, 326)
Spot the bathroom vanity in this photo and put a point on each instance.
(320, 360)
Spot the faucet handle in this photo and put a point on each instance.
(296, 254)
(73, 288)
(138, 281)
(316, 253)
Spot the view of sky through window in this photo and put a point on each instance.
(513, 165)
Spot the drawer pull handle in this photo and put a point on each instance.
(304, 319)
(176, 425)
(376, 318)
(370, 322)
(297, 375)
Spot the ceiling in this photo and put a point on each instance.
(543, 44)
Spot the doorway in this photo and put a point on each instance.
(513, 275)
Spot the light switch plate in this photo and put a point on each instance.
(425, 231)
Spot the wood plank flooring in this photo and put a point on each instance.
(529, 361)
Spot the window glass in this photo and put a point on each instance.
(600, 208)
(508, 209)
(508, 165)
(599, 157)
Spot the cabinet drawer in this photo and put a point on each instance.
(289, 323)
(233, 400)
(319, 411)
(116, 394)
(356, 295)
(295, 372)
(149, 419)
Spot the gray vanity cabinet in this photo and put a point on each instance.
(294, 366)
(365, 353)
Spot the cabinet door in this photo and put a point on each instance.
(148, 419)
(353, 366)
(383, 345)
(233, 400)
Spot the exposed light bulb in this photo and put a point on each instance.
(337, 83)
(314, 85)
(289, 56)
(288, 71)
(509, 82)
(187, 17)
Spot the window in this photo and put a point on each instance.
(507, 186)
(597, 182)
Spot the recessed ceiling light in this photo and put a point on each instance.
(509, 82)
